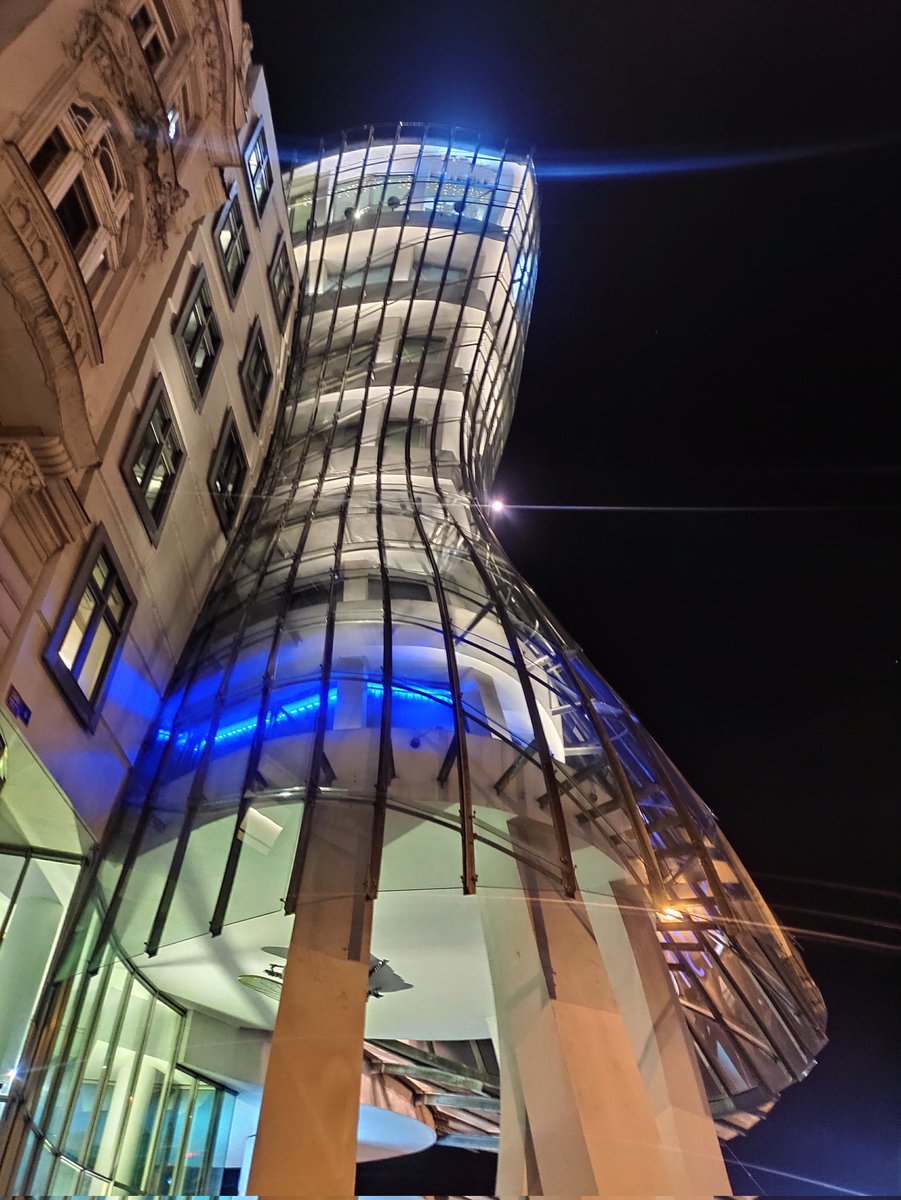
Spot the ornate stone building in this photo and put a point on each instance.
(146, 301)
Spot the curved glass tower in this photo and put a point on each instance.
(380, 743)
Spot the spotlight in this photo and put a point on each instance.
(497, 506)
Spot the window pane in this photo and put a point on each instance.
(192, 326)
(48, 156)
(154, 52)
(71, 644)
(95, 660)
(76, 216)
(141, 21)
(117, 603)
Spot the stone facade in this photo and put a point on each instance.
(123, 133)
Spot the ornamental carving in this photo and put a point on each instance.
(105, 41)
(18, 470)
(216, 58)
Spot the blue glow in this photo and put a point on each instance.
(308, 703)
(226, 733)
(429, 695)
(723, 160)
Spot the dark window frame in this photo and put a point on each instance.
(227, 510)
(253, 398)
(258, 136)
(88, 708)
(198, 389)
(232, 205)
(282, 310)
(158, 398)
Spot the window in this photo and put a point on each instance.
(91, 630)
(227, 474)
(436, 272)
(154, 31)
(399, 589)
(281, 281)
(412, 349)
(77, 168)
(259, 169)
(198, 336)
(230, 236)
(256, 374)
(76, 216)
(49, 156)
(154, 460)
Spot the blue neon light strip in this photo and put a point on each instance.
(430, 695)
(308, 703)
(227, 732)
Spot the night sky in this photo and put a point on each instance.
(716, 338)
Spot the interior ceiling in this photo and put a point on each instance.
(431, 936)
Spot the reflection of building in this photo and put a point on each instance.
(141, 272)
(378, 742)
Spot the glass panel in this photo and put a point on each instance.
(65, 1179)
(196, 1151)
(71, 644)
(27, 945)
(172, 1132)
(95, 659)
(41, 1179)
(123, 1093)
(98, 1064)
(149, 1086)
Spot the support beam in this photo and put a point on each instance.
(307, 1136)
(574, 1095)
(515, 767)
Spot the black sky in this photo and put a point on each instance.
(715, 338)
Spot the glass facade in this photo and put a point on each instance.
(114, 1113)
(368, 649)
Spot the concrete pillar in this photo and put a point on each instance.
(307, 1135)
(667, 1057)
(584, 1124)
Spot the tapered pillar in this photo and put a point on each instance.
(307, 1135)
(584, 1110)
(662, 1045)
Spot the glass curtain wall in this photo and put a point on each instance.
(114, 1113)
(369, 646)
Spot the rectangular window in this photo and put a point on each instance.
(281, 281)
(76, 216)
(198, 336)
(230, 236)
(259, 169)
(399, 589)
(412, 349)
(48, 156)
(436, 272)
(228, 474)
(154, 460)
(256, 374)
(91, 629)
(154, 31)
